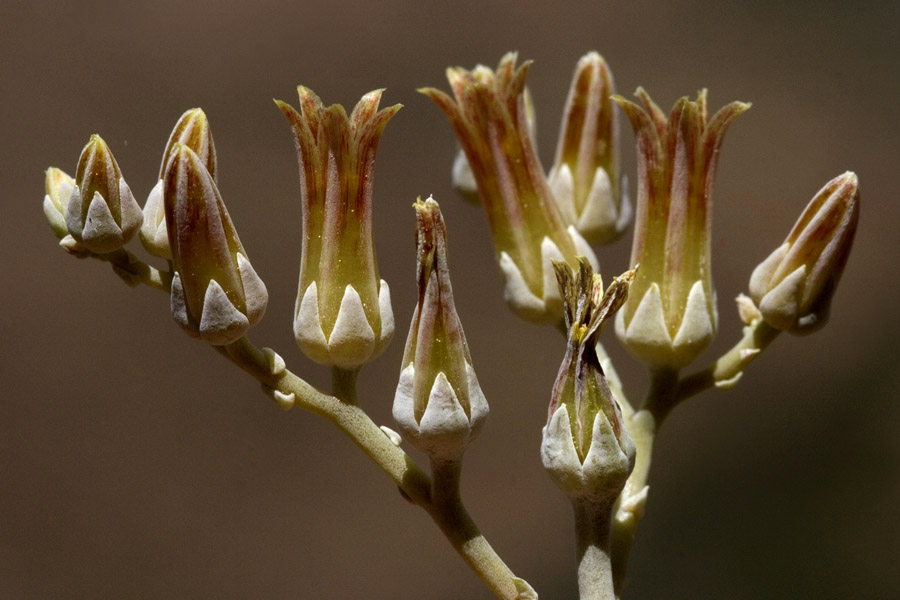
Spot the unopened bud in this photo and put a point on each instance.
(216, 293)
(793, 287)
(585, 175)
(59, 187)
(191, 130)
(439, 406)
(102, 214)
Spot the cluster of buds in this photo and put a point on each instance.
(216, 294)
(343, 314)
(586, 448)
(793, 287)
(491, 121)
(671, 317)
(101, 213)
(192, 130)
(585, 175)
(439, 406)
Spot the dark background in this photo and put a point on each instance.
(137, 463)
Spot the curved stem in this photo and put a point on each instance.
(441, 501)
(595, 574)
(726, 371)
(350, 419)
(451, 516)
(642, 426)
(135, 271)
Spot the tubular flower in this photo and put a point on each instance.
(670, 316)
(102, 214)
(793, 287)
(343, 314)
(586, 448)
(490, 118)
(216, 293)
(59, 188)
(439, 405)
(191, 130)
(585, 175)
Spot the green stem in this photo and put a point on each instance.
(728, 368)
(642, 426)
(442, 502)
(350, 419)
(595, 574)
(135, 271)
(451, 516)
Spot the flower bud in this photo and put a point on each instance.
(586, 448)
(191, 130)
(56, 201)
(490, 118)
(671, 316)
(793, 287)
(102, 214)
(216, 294)
(439, 405)
(343, 314)
(585, 175)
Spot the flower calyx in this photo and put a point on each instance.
(671, 316)
(343, 315)
(586, 448)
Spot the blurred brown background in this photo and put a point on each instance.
(136, 463)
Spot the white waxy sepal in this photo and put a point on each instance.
(647, 337)
(444, 430)
(220, 322)
(256, 295)
(352, 341)
(606, 466)
(463, 178)
(154, 235)
(546, 309)
(601, 219)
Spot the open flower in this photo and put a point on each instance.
(191, 130)
(343, 314)
(793, 287)
(216, 293)
(102, 214)
(586, 448)
(585, 174)
(670, 316)
(490, 118)
(439, 405)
